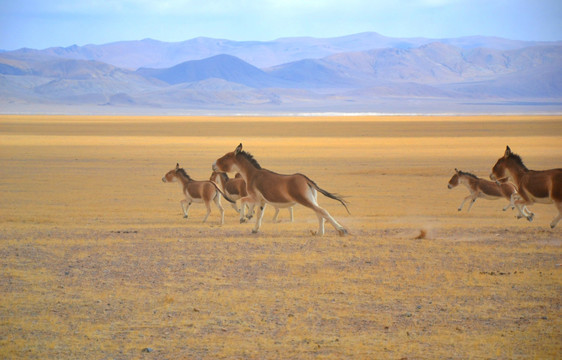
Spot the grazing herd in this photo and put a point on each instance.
(255, 186)
(515, 182)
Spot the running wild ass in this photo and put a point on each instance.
(543, 186)
(266, 187)
(196, 191)
(235, 189)
(485, 189)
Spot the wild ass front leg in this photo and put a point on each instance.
(463, 201)
(185, 207)
(259, 217)
(474, 197)
(245, 202)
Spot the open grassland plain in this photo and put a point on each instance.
(97, 261)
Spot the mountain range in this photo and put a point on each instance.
(357, 73)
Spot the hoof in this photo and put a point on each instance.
(459, 209)
(342, 232)
(242, 221)
(185, 216)
(531, 217)
(254, 231)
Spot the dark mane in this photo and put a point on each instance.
(183, 173)
(250, 158)
(468, 174)
(518, 160)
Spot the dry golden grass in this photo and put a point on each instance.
(97, 261)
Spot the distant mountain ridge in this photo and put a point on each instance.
(407, 72)
(226, 67)
(151, 53)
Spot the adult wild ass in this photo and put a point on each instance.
(196, 191)
(266, 187)
(485, 189)
(543, 186)
(235, 188)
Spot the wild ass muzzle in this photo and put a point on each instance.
(196, 191)
(541, 186)
(267, 187)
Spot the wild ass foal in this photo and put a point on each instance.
(235, 188)
(196, 191)
(485, 189)
(267, 187)
(543, 186)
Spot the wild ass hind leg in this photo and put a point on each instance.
(208, 206)
(321, 222)
(322, 215)
(325, 215)
(291, 213)
(276, 215)
(524, 210)
(217, 200)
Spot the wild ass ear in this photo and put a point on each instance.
(507, 151)
(238, 149)
(177, 166)
(456, 170)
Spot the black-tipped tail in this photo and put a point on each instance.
(328, 194)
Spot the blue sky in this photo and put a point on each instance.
(44, 23)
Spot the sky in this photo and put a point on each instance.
(40, 24)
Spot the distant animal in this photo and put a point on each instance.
(542, 186)
(267, 187)
(196, 191)
(485, 189)
(235, 188)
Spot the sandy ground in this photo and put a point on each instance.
(97, 261)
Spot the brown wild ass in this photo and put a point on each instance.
(485, 189)
(266, 187)
(196, 191)
(235, 189)
(544, 186)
